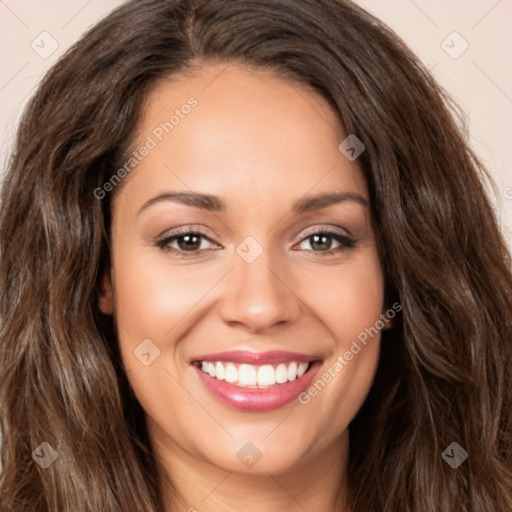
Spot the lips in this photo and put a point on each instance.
(256, 398)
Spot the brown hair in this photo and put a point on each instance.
(445, 368)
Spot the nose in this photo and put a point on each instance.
(259, 297)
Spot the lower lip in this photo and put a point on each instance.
(254, 399)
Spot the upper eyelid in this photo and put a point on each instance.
(326, 228)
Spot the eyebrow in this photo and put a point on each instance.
(216, 204)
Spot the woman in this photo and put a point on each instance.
(248, 263)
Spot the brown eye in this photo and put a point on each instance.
(322, 242)
(185, 243)
(189, 242)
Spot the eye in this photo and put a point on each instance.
(321, 241)
(184, 242)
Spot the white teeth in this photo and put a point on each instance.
(219, 371)
(281, 374)
(266, 375)
(248, 375)
(301, 370)
(231, 373)
(292, 371)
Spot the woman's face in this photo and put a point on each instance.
(249, 271)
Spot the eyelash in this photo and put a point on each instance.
(346, 243)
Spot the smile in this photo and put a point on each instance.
(256, 381)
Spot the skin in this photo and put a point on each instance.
(260, 143)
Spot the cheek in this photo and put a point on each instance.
(154, 301)
(153, 295)
(348, 302)
(347, 298)
(159, 300)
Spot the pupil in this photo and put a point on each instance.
(190, 241)
(323, 243)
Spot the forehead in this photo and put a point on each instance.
(229, 127)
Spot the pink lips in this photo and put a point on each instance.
(254, 399)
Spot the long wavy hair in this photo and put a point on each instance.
(445, 372)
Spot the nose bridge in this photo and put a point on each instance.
(257, 294)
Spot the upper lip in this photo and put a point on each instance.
(255, 358)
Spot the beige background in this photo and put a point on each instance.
(480, 78)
